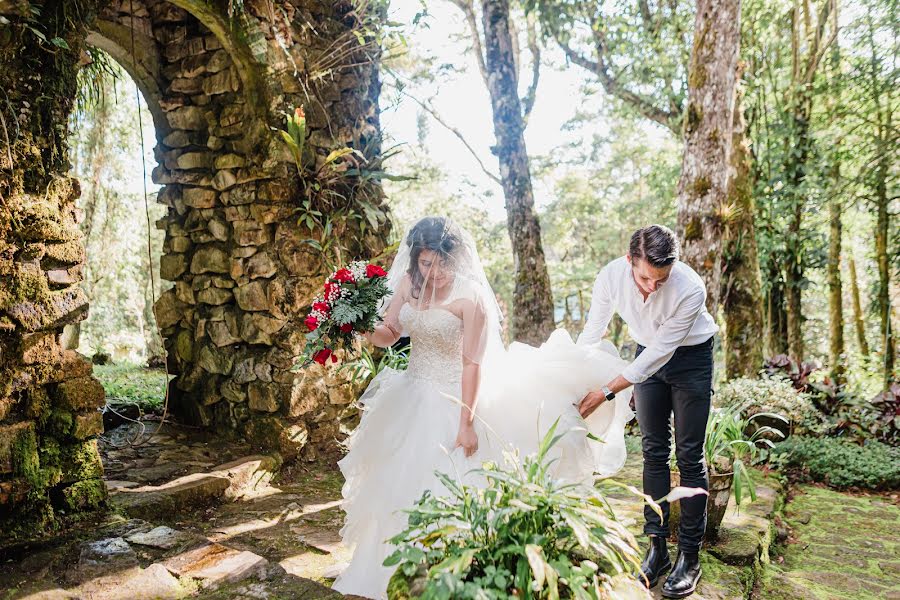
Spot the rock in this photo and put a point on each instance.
(9, 441)
(221, 83)
(240, 194)
(250, 233)
(218, 61)
(105, 554)
(38, 348)
(88, 425)
(184, 293)
(224, 180)
(66, 253)
(218, 229)
(187, 117)
(159, 537)
(252, 297)
(210, 259)
(233, 392)
(257, 328)
(79, 394)
(215, 361)
(198, 197)
(233, 114)
(193, 491)
(168, 310)
(263, 397)
(52, 311)
(221, 334)
(230, 161)
(214, 296)
(260, 265)
(172, 266)
(177, 139)
(186, 85)
(60, 277)
(180, 244)
(195, 160)
(215, 563)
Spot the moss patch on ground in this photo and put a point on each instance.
(133, 384)
(842, 546)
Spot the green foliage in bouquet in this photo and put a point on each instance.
(348, 305)
(524, 534)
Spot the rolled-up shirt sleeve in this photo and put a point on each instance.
(669, 336)
(601, 311)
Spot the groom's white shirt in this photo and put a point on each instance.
(672, 316)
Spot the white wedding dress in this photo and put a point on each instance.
(411, 419)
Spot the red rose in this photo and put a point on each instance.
(311, 322)
(344, 276)
(347, 327)
(332, 290)
(333, 358)
(321, 307)
(322, 356)
(375, 271)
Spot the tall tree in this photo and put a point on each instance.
(703, 185)
(741, 282)
(858, 322)
(532, 301)
(836, 349)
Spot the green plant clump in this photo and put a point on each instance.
(524, 534)
(841, 463)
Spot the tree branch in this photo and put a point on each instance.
(437, 117)
(468, 11)
(535, 49)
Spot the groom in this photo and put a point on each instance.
(663, 302)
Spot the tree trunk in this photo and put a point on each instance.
(703, 185)
(835, 291)
(796, 176)
(776, 316)
(882, 229)
(858, 321)
(532, 300)
(741, 293)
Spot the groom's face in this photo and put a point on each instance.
(647, 277)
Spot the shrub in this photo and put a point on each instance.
(752, 396)
(841, 463)
(523, 534)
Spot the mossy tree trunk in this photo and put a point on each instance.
(741, 283)
(836, 347)
(858, 322)
(703, 185)
(532, 300)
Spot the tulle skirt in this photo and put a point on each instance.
(409, 427)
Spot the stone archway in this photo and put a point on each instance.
(243, 275)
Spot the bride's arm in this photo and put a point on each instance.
(388, 332)
(474, 339)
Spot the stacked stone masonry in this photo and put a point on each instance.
(240, 271)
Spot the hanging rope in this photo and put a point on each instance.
(140, 438)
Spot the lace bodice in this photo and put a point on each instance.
(437, 337)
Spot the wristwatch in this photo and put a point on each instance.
(608, 393)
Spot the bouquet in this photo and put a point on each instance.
(347, 305)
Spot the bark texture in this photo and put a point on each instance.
(741, 294)
(703, 185)
(533, 300)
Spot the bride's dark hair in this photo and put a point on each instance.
(438, 234)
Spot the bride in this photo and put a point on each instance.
(463, 399)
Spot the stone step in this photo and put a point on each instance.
(244, 477)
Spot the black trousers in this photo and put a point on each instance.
(683, 388)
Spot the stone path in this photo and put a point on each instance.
(841, 546)
(254, 537)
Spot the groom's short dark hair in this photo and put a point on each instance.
(657, 244)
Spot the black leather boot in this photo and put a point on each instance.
(656, 563)
(685, 576)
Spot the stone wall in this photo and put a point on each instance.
(241, 269)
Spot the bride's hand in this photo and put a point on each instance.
(467, 439)
(590, 403)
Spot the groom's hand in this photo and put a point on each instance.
(590, 403)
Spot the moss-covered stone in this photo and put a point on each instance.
(89, 494)
(79, 394)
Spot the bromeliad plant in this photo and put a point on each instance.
(730, 446)
(523, 534)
